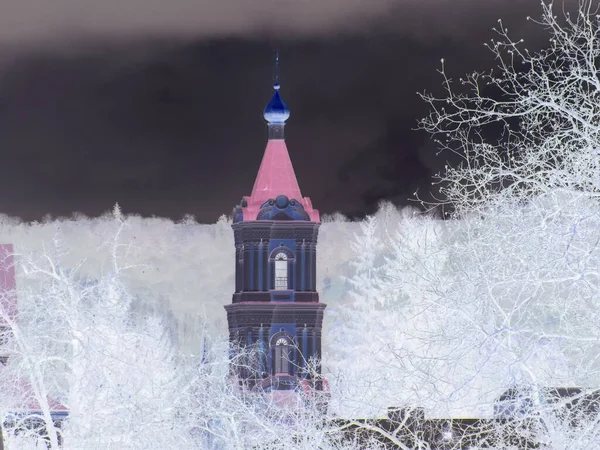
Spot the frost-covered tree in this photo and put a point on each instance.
(356, 383)
(520, 307)
(546, 105)
(371, 328)
(126, 391)
(367, 249)
(80, 340)
(75, 341)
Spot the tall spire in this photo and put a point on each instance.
(276, 75)
(276, 175)
(276, 112)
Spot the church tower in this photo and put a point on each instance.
(275, 311)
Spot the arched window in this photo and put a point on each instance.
(283, 351)
(281, 271)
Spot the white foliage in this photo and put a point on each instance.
(520, 306)
(76, 340)
(545, 103)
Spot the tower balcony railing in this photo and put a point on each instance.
(281, 283)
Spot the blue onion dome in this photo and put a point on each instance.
(276, 111)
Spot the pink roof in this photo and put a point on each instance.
(276, 174)
(283, 399)
(30, 403)
(276, 177)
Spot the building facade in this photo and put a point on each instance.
(275, 317)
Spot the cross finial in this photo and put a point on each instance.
(276, 74)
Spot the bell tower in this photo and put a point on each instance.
(275, 312)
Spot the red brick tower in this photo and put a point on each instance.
(275, 308)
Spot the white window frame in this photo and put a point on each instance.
(281, 271)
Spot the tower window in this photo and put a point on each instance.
(281, 271)
(282, 355)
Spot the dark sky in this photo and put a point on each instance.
(158, 105)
